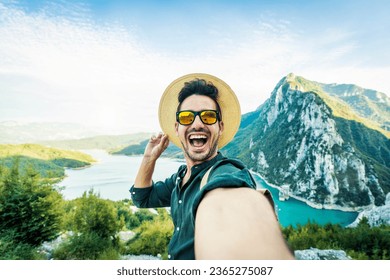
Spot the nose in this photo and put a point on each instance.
(197, 123)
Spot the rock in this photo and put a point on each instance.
(125, 236)
(376, 216)
(140, 257)
(47, 248)
(317, 254)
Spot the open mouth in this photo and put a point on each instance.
(197, 140)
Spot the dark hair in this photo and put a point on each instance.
(199, 87)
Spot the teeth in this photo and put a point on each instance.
(197, 137)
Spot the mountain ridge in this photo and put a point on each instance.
(338, 98)
(111, 143)
(16, 132)
(49, 162)
(300, 139)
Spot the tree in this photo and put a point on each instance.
(96, 215)
(30, 206)
(95, 223)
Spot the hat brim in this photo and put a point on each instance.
(227, 100)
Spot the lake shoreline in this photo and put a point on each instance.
(313, 204)
(112, 176)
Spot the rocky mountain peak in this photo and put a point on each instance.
(290, 77)
(316, 146)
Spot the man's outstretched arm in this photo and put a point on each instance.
(238, 223)
(154, 149)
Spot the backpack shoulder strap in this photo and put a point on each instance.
(268, 196)
(205, 178)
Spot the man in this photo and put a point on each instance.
(217, 213)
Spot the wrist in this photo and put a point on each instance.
(149, 159)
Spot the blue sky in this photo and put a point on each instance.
(106, 63)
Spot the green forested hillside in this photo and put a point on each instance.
(138, 149)
(49, 162)
(373, 115)
(372, 146)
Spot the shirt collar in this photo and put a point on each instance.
(205, 165)
(196, 169)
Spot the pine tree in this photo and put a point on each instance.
(30, 206)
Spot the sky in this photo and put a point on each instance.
(105, 64)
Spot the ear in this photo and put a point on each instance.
(221, 127)
(177, 129)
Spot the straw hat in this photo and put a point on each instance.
(227, 100)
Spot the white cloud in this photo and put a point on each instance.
(96, 73)
(73, 69)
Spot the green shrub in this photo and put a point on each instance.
(362, 242)
(87, 246)
(95, 224)
(11, 250)
(152, 237)
(129, 219)
(91, 214)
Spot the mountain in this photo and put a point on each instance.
(104, 142)
(138, 149)
(49, 162)
(324, 144)
(367, 103)
(13, 132)
(368, 106)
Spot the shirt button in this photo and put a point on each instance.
(169, 256)
(133, 192)
(180, 201)
(177, 228)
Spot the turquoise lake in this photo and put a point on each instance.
(294, 212)
(113, 175)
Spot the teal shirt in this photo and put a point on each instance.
(184, 200)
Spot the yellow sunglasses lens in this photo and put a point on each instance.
(208, 117)
(186, 117)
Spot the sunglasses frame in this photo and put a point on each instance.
(198, 113)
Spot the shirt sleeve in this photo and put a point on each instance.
(157, 195)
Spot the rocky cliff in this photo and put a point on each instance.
(376, 216)
(311, 142)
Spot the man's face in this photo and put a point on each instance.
(199, 140)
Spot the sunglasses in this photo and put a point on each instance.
(187, 117)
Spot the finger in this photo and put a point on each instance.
(155, 138)
(166, 143)
(160, 136)
(165, 139)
